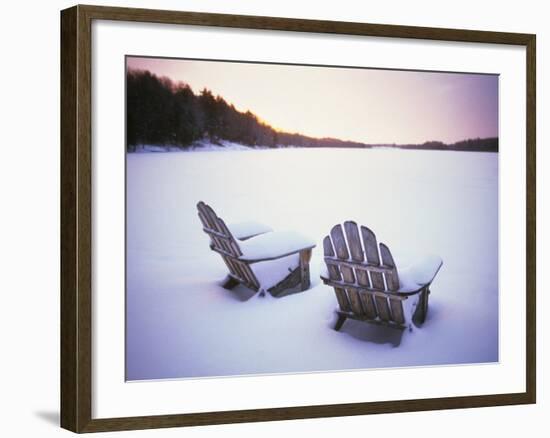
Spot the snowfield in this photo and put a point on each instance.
(181, 323)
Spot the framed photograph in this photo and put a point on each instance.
(271, 218)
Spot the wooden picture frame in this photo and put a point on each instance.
(76, 217)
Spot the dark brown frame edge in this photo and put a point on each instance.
(76, 238)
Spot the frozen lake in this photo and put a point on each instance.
(182, 323)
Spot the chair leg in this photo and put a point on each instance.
(422, 307)
(340, 322)
(305, 257)
(229, 282)
(426, 296)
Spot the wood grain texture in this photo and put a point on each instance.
(354, 241)
(392, 278)
(368, 304)
(288, 282)
(397, 313)
(362, 277)
(355, 301)
(305, 258)
(76, 340)
(301, 25)
(371, 247)
(531, 218)
(69, 327)
(76, 328)
(342, 298)
(327, 247)
(339, 242)
(382, 307)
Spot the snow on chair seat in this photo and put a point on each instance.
(367, 284)
(417, 276)
(289, 252)
(274, 245)
(246, 230)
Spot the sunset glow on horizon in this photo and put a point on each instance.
(359, 104)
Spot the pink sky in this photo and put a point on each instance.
(371, 106)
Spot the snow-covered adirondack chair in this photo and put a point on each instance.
(247, 247)
(366, 281)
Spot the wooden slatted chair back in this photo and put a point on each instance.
(363, 274)
(223, 242)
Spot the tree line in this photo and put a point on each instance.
(470, 145)
(162, 112)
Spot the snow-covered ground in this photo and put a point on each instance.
(182, 323)
(198, 146)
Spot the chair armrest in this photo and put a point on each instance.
(248, 229)
(419, 275)
(275, 245)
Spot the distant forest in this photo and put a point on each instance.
(164, 113)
